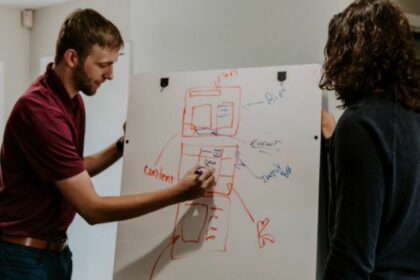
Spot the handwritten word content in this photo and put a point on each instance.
(277, 171)
(158, 174)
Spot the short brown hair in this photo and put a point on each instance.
(84, 28)
(370, 48)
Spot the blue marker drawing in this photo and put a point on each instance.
(246, 107)
(277, 171)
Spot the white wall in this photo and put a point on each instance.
(48, 21)
(14, 53)
(197, 35)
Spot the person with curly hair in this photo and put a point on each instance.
(374, 209)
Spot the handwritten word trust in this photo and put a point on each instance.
(275, 172)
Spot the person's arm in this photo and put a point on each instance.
(95, 164)
(80, 193)
(327, 124)
(358, 194)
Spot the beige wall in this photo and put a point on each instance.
(409, 6)
(14, 53)
(186, 35)
(48, 21)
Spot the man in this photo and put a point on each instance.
(374, 215)
(45, 179)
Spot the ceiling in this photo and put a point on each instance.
(410, 6)
(29, 4)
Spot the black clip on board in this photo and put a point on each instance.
(163, 83)
(281, 76)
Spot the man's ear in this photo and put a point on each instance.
(71, 58)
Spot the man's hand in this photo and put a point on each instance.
(120, 142)
(194, 185)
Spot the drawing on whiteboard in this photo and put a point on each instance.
(269, 98)
(257, 132)
(211, 112)
(204, 223)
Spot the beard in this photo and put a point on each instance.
(82, 81)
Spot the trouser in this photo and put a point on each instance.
(19, 262)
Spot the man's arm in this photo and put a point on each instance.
(327, 124)
(95, 164)
(79, 191)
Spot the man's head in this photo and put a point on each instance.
(89, 44)
(370, 48)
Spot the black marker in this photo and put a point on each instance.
(198, 171)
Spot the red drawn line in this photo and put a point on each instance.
(204, 92)
(164, 147)
(173, 241)
(212, 229)
(225, 75)
(226, 176)
(202, 109)
(197, 238)
(262, 238)
(243, 204)
(231, 106)
(216, 208)
(211, 237)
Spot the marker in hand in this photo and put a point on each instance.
(198, 171)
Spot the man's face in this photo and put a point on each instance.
(94, 70)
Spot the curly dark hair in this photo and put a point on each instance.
(370, 48)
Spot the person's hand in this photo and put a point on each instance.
(121, 140)
(327, 124)
(194, 185)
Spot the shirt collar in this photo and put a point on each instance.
(58, 87)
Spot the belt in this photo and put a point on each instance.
(56, 246)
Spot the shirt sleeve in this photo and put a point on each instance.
(46, 139)
(358, 163)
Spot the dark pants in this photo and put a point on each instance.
(18, 262)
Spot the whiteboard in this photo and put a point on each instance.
(262, 136)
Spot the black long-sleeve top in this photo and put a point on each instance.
(374, 211)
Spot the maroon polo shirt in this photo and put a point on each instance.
(43, 143)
